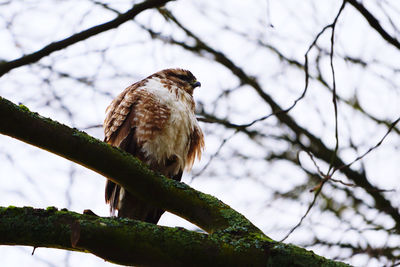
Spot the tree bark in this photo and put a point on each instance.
(130, 242)
(205, 211)
(232, 240)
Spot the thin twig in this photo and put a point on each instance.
(371, 148)
(333, 26)
(214, 155)
(318, 188)
(304, 216)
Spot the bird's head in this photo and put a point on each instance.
(184, 79)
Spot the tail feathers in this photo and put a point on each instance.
(112, 194)
(129, 206)
(133, 208)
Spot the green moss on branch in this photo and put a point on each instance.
(130, 242)
(203, 210)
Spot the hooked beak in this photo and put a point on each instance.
(196, 84)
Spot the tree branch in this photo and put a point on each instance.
(122, 168)
(83, 35)
(130, 242)
(315, 146)
(374, 23)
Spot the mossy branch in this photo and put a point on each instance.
(122, 168)
(233, 240)
(130, 242)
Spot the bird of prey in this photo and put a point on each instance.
(154, 120)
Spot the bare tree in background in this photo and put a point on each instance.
(300, 105)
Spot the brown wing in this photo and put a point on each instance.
(196, 146)
(117, 113)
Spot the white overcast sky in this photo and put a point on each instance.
(33, 177)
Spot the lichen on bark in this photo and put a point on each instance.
(130, 242)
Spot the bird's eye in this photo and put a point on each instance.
(183, 77)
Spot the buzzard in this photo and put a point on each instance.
(154, 120)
